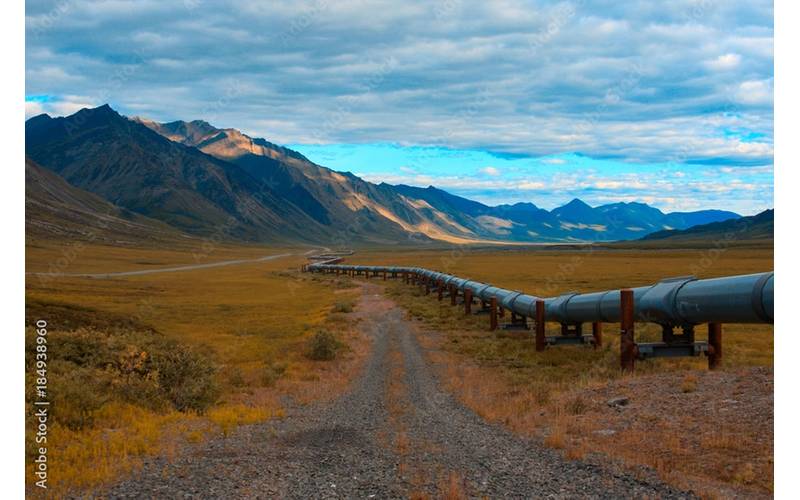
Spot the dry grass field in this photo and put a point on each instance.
(243, 336)
(229, 341)
(707, 431)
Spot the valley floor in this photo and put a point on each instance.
(420, 401)
(396, 434)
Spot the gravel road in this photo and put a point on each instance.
(188, 267)
(395, 434)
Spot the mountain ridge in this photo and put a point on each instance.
(195, 176)
(752, 227)
(55, 207)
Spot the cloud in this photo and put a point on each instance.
(490, 171)
(623, 81)
(755, 92)
(55, 106)
(724, 62)
(668, 186)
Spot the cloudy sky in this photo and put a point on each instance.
(502, 101)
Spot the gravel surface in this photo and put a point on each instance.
(396, 434)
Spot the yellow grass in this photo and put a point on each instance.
(253, 320)
(123, 434)
(82, 257)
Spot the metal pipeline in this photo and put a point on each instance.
(674, 301)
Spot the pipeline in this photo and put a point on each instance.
(672, 302)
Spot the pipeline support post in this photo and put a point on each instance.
(467, 301)
(714, 345)
(597, 334)
(440, 290)
(627, 344)
(493, 314)
(453, 295)
(541, 342)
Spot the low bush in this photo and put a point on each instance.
(324, 346)
(343, 307)
(186, 378)
(90, 367)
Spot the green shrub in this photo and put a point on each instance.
(89, 367)
(186, 378)
(324, 346)
(343, 307)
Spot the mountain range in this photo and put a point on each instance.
(756, 227)
(198, 179)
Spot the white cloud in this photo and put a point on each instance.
(63, 106)
(611, 80)
(755, 92)
(491, 171)
(33, 108)
(725, 62)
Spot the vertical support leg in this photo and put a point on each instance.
(467, 301)
(540, 340)
(427, 286)
(597, 334)
(384, 276)
(453, 295)
(714, 345)
(440, 290)
(627, 345)
(493, 314)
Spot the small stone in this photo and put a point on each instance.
(605, 432)
(617, 402)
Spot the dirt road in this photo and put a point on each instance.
(395, 434)
(188, 267)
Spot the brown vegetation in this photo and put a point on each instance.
(708, 431)
(163, 359)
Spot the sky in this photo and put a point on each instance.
(669, 103)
